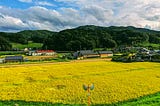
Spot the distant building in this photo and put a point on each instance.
(105, 53)
(144, 51)
(2, 60)
(13, 58)
(42, 53)
(91, 54)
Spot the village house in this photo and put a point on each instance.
(144, 51)
(42, 53)
(13, 58)
(2, 60)
(104, 54)
(91, 54)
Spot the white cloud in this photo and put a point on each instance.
(44, 3)
(138, 13)
(26, 1)
(11, 23)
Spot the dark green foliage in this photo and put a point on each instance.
(30, 103)
(90, 37)
(14, 37)
(37, 36)
(4, 44)
(155, 58)
(86, 37)
(73, 45)
(80, 39)
(154, 39)
(11, 53)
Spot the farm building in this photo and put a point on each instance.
(85, 54)
(91, 54)
(105, 53)
(42, 53)
(13, 58)
(2, 60)
(144, 51)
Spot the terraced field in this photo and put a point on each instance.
(62, 82)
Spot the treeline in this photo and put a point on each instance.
(90, 37)
(83, 37)
(36, 36)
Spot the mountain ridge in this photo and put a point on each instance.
(86, 37)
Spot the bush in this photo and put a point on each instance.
(156, 58)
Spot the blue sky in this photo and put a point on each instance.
(24, 4)
(56, 15)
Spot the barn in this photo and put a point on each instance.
(85, 54)
(13, 58)
(105, 53)
(91, 54)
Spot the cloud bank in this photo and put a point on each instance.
(138, 13)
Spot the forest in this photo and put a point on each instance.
(82, 38)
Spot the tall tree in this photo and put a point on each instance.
(4, 44)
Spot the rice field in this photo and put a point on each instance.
(62, 82)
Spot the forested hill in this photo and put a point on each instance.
(83, 37)
(89, 37)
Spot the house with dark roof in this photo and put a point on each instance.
(91, 54)
(85, 54)
(13, 58)
(104, 54)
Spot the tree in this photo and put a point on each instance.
(74, 45)
(4, 44)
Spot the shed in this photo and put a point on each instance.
(13, 58)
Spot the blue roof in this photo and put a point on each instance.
(88, 52)
(105, 52)
(14, 58)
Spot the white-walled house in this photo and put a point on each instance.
(42, 53)
(2, 60)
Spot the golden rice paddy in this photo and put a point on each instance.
(62, 82)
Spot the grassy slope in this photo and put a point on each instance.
(155, 46)
(29, 45)
(149, 100)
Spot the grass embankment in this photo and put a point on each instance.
(62, 83)
(148, 100)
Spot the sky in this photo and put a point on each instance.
(57, 15)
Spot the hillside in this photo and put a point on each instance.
(90, 37)
(84, 37)
(36, 36)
